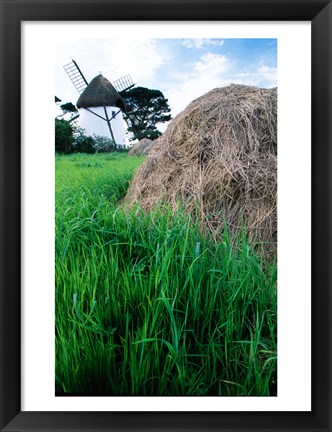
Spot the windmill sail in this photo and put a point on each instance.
(76, 76)
(123, 84)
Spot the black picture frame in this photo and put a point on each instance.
(13, 12)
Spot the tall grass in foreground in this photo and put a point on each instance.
(145, 305)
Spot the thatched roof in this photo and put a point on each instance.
(218, 159)
(100, 92)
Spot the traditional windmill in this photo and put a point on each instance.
(100, 103)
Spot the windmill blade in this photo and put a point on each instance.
(123, 84)
(76, 76)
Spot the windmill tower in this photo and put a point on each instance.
(100, 104)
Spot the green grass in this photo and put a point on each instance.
(145, 305)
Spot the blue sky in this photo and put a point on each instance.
(182, 69)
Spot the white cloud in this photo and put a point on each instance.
(138, 57)
(201, 42)
(213, 63)
(206, 73)
(267, 72)
(263, 76)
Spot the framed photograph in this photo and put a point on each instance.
(167, 265)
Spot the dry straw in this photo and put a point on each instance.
(100, 92)
(142, 148)
(218, 159)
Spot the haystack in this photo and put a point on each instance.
(141, 148)
(218, 159)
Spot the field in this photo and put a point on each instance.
(145, 305)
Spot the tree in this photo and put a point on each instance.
(68, 107)
(144, 109)
(63, 136)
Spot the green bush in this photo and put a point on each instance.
(70, 139)
(103, 144)
(63, 136)
(83, 144)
